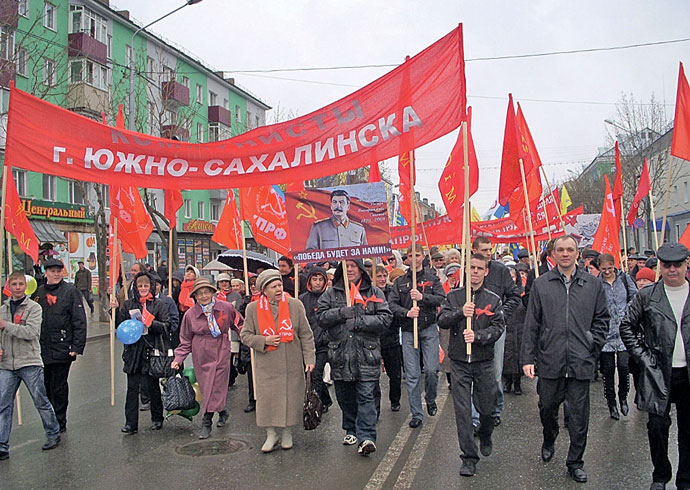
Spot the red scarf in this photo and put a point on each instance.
(222, 295)
(267, 324)
(185, 299)
(358, 298)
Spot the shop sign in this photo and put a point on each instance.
(198, 226)
(56, 211)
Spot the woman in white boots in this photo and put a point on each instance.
(277, 329)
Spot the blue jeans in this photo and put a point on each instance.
(499, 350)
(9, 384)
(356, 400)
(428, 348)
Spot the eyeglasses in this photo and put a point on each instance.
(391, 258)
(667, 265)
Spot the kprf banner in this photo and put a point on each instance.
(337, 223)
(374, 123)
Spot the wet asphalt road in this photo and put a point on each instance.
(95, 455)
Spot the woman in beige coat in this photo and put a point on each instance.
(277, 330)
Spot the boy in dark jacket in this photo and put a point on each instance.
(486, 311)
(316, 285)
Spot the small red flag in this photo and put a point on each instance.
(172, 203)
(685, 237)
(228, 230)
(643, 190)
(511, 178)
(680, 144)
(606, 239)
(16, 222)
(374, 173)
(134, 223)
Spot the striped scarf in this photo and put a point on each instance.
(212, 324)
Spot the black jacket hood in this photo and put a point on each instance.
(338, 282)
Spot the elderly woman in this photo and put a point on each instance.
(136, 356)
(276, 328)
(204, 333)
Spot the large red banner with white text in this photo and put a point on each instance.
(414, 104)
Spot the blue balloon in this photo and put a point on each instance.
(129, 331)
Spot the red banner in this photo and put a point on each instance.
(369, 125)
(229, 228)
(264, 209)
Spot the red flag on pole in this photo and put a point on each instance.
(527, 148)
(295, 186)
(374, 173)
(134, 224)
(643, 190)
(680, 144)
(618, 185)
(685, 237)
(228, 230)
(451, 185)
(16, 222)
(264, 208)
(172, 203)
(606, 239)
(511, 179)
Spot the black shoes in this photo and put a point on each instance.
(468, 468)
(625, 409)
(486, 447)
(222, 418)
(128, 429)
(578, 474)
(157, 426)
(613, 412)
(4, 455)
(145, 407)
(497, 420)
(415, 422)
(326, 407)
(63, 428)
(51, 443)
(517, 388)
(657, 485)
(546, 453)
(251, 406)
(395, 407)
(432, 409)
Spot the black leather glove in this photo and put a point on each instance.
(347, 312)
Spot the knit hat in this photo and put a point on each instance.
(395, 273)
(451, 269)
(236, 281)
(200, 283)
(267, 277)
(223, 276)
(645, 273)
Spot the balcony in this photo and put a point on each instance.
(83, 45)
(218, 194)
(175, 94)
(8, 72)
(174, 130)
(9, 13)
(87, 100)
(220, 115)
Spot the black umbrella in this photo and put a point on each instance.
(233, 258)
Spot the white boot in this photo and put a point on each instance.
(271, 440)
(286, 440)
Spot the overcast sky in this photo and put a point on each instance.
(565, 98)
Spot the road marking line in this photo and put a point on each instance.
(385, 467)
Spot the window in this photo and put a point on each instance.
(21, 62)
(76, 196)
(49, 187)
(187, 208)
(215, 211)
(6, 43)
(48, 72)
(677, 232)
(89, 72)
(110, 47)
(106, 195)
(24, 8)
(169, 118)
(128, 54)
(151, 119)
(199, 133)
(249, 120)
(200, 210)
(199, 94)
(238, 114)
(213, 132)
(150, 65)
(675, 196)
(81, 19)
(185, 82)
(258, 121)
(50, 16)
(212, 98)
(19, 177)
(226, 104)
(168, 73)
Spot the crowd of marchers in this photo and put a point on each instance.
(575, 316)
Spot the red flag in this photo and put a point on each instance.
(451, 185)
(404, 170)
(517, 200)
(528, 150)
(264, 208)
(510, 161)
(685, 237)
(134, 224)
(643, 190)
(606, 239)
(680, 144)
(16, 222)
(228, 230)
(618, 185)
(172, 203)
(120, 121)
(295, 186)
(374, 173)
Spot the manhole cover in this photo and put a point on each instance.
(211, 448)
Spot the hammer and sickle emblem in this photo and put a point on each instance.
(308, 211)
(525, 148)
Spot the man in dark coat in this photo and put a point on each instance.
(63, 334)
(486, 312)
(316, 285)
(354, 350)
(656, 332)
(565, 329)
(82, 281)
(287, 272)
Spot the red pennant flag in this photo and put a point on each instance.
(264, 208)
(16, 222)
(618, 185)
(404, 170)
(120, 121)
(134, 224)
(643, 190)
(228, 230)
(680, 144)
(528, 150)
(6, 289)
(685, 237)
(510, 160)
(172, 203)
(451, 185)
(374, 173)
(606, 239)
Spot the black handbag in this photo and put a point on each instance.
(178, 394)
(161, 357)
(311, 417)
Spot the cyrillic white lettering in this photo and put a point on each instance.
(351, 141)
(386, 127)
(257, 163)
(306, 150)
(319, 120)
(56, 153)
(235, 166)
(213, 167)
(274, 136)
(320, 151)
(129, 162)
(279, 160)
(182, 165)
(117, 137)
(292, 131)
(158, 165)
(94, 159)
(362, 136)
(410, 119)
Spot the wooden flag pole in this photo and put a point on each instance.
(247, 290)
(413, 241)
(668, 193)
(346, 284)
(9, 271)
(529, 249)
(529, 217)
(113, 280)
(468, 232)
(558, 208)
(170, 259)
(546, 214)
(122, 270)
(296, 280)
(624, 255)
(651, 205)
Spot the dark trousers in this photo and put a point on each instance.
(57, 389)
(553, 392)
(392, 362)
(145, 383)
(88, 296)
(317, 378)
(609, 362)
(657, 431)
(463, 376)
(250, 384)
(356, 400)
